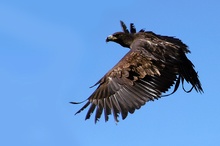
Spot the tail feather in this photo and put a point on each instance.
(188, 73)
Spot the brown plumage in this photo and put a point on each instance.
(153, 64)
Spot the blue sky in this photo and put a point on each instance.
(51, 52)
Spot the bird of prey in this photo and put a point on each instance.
(153, 64)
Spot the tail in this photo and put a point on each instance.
(188, 73)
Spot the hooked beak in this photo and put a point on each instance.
(110, 38)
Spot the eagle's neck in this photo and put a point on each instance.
(126, 41)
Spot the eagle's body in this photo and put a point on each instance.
(153, 64)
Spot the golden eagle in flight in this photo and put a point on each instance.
(153, 64)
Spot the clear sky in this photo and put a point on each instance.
(51, 52)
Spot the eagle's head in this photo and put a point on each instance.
(124, 38)
(121, 38)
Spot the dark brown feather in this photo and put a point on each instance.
(132, 28)
(124, 27)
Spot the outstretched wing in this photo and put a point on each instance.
(143, 74)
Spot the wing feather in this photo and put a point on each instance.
(99, 110)
(134, 81)
(124, 27)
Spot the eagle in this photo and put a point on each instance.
(153, 65)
